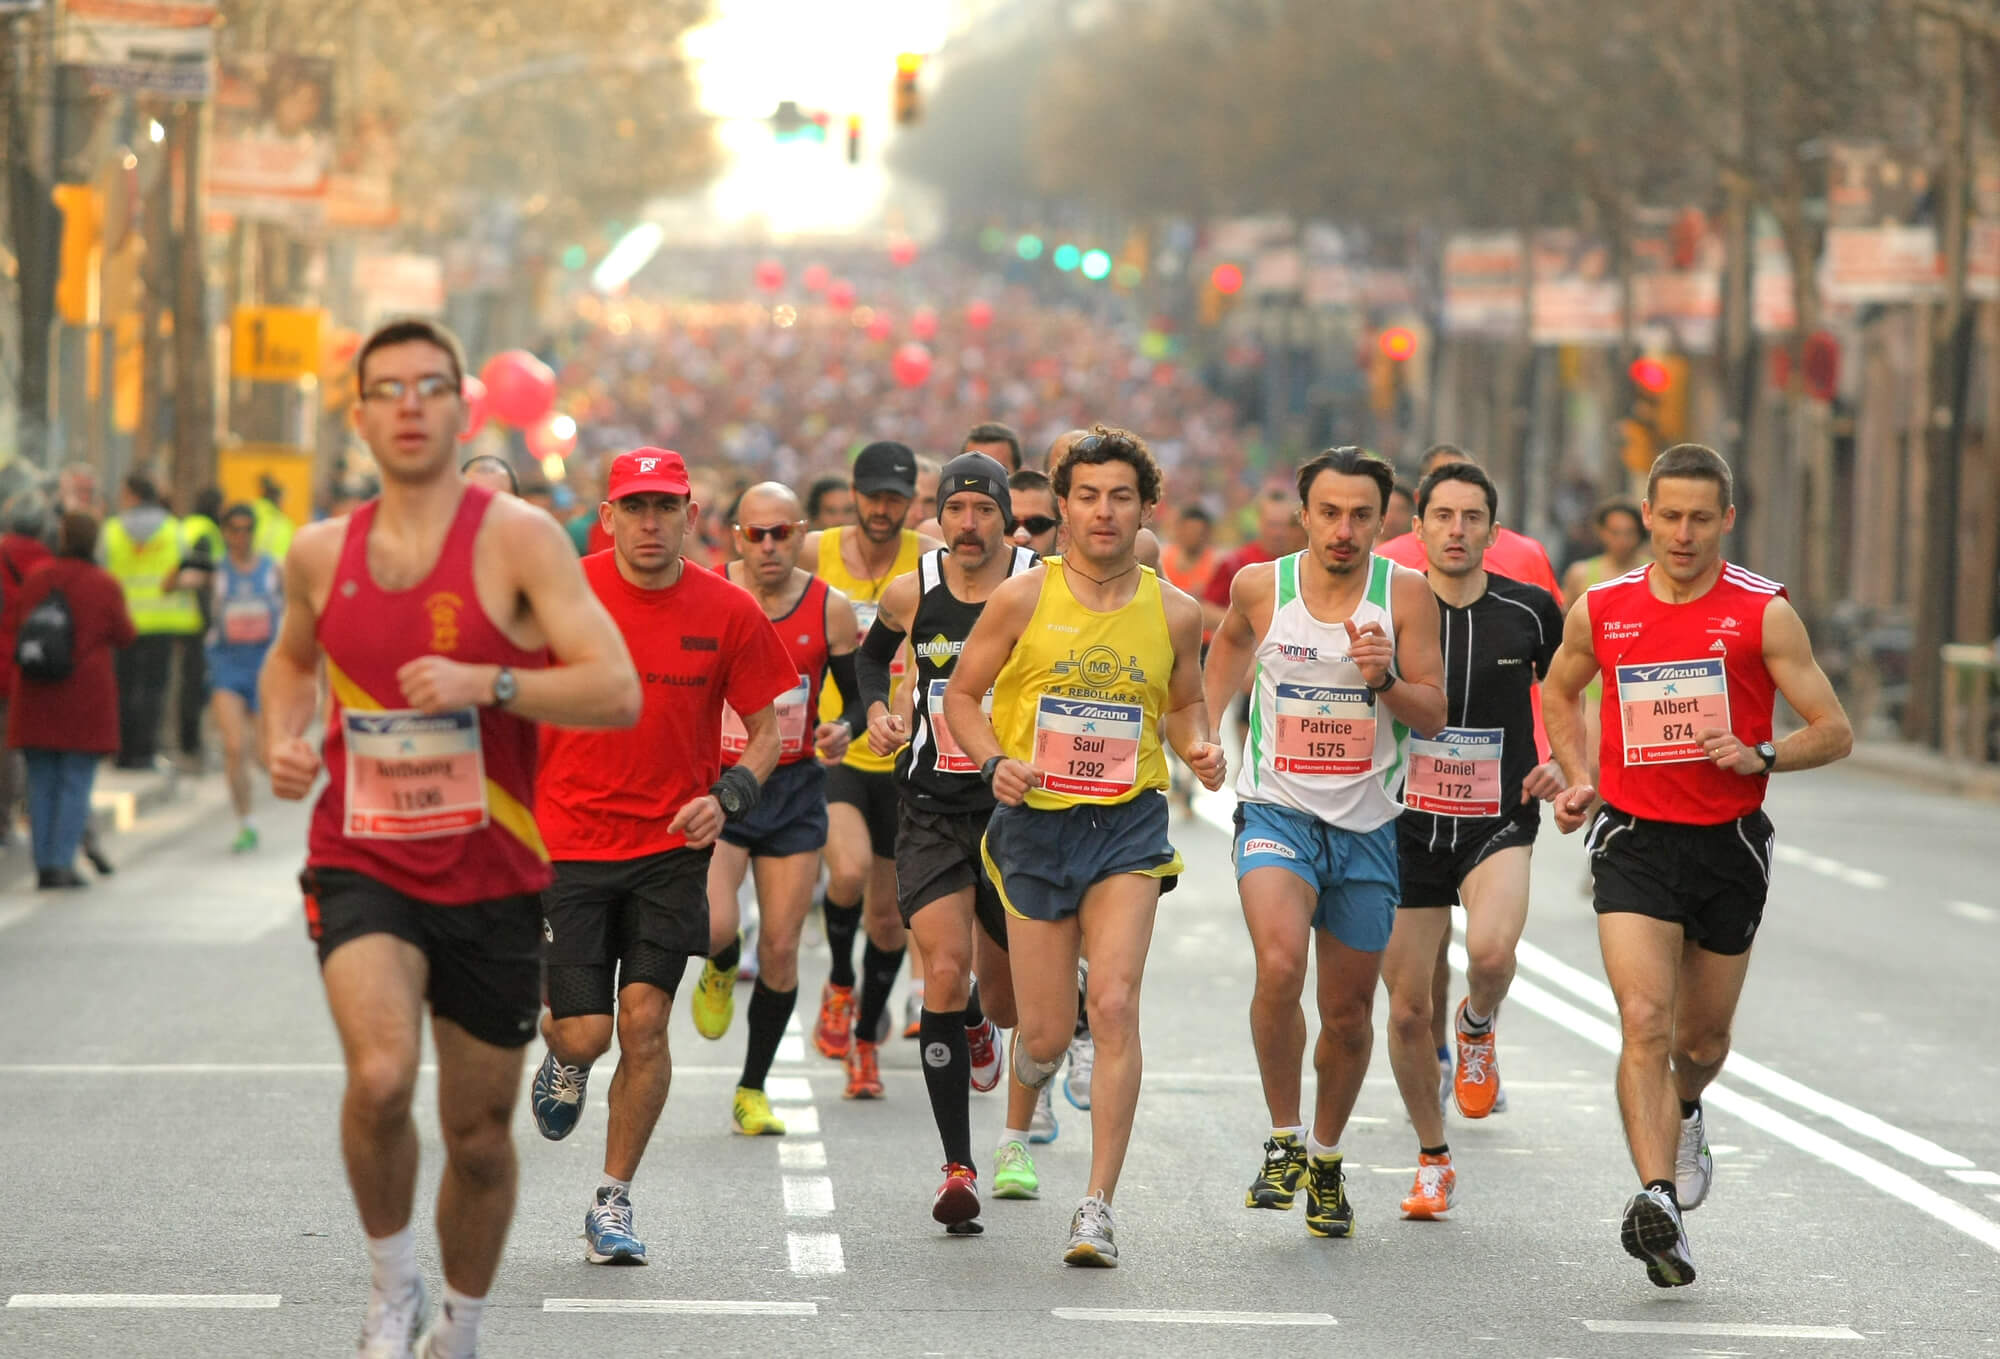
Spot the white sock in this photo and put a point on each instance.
(1013, 1135)
(1297, 1133)
(625, 1186)
(249, 823)
(457, 1333)
(1316, 1148)
(1474, 1026)
(394, 1262)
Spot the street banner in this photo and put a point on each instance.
(1575, 296)
(272, 155)
(1482, 285)
(142, 46)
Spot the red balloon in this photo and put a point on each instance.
(880, 327)
(770, 276)
(815, 278)
(474, 392)
(544, 438)
(911, 365)
(520, 389)
(924, 323)
(902, 251)
(979, 313)
(839, 293)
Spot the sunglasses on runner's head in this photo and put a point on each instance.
(757, 533)
(430, 387)
(1037, 524)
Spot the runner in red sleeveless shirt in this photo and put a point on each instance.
(782, 839)
(436, 609)
(630, 820)
(1692, 650)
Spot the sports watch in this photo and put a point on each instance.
(505, 686)
(1768, 753)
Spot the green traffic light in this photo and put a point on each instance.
(1029, 247)
(1096, 265)
(1067, 257)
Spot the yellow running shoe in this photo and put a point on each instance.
(714, 1003)
(751, 1115)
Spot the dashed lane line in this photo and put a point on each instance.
(146, 1301)
(684, 1307)
(1744, 1330)
(1191, 1318)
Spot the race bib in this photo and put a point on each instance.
(1663, 706)
(1087, 749)
(950, 758)
(413, 775)
(1323, 730)
(1457, 774)
(791, 709)
(246, 622)
(864, 613)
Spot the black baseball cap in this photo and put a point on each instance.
(886, 468)
(981, 474)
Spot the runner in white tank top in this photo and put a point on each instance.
(1346, 647)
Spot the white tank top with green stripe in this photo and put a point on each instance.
(1319, 743)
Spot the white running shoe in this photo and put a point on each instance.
(1091, 1241)
(1694, 1167)
(392, 1324)
(1042, 1128)
(1076, 1081)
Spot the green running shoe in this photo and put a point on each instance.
(245, 842)
(1014, 1173)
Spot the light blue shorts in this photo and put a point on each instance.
(1355, 873)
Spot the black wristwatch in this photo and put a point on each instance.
(1768, 753)
(505, 687)
(987, 770)
(1384, 687)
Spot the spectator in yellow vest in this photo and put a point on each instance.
(142, 551)
(274, 530)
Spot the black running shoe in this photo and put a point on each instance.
(1652, 1232)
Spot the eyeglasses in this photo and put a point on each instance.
(1038, 524)
(781, 533)
(388, 391)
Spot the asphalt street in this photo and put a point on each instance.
(170, 1183)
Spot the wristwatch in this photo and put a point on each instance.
(505, 686)
(990, 768)
(1384, 687)
(1768, 753)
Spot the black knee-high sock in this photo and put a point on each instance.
(974, 1016)
(878, 978)
(948, 1078)
(842, 924)
(769, 1010)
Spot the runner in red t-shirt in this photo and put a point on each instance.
(630, 820)
(1692, 650)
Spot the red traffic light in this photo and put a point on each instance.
(1227, 279)
(1650, 376)
(1397, 343)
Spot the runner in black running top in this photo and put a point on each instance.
(1473, 798)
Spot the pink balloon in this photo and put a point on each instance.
(474, 392)
(902, 251)
(979, 313)
(543, 440)
(520, 389)
(911, 365)
(770, 276)
(924, 323)
(880, 327)
(839, 293)
(815, 278)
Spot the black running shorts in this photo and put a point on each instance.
(789, 819)
(1710, 880)
(597, 913)
(1433, 873)
(875, 795)
(937, 853)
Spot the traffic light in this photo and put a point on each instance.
(1660, 396)
(1398, 344)
(909, 107)
(854, 139)
(1388, 372)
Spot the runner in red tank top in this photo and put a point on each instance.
(436, 608)
(1692, 650)
(782, 839)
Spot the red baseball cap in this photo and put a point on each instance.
(645, 470)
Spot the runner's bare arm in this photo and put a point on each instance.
(888, 727)
(1827, 735)
(993, 638)
(1569, 675)
(288, 687)
(1235, 641)
(1189, 731)
(1417, 698)
(760, 752)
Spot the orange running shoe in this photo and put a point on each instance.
(1475, 1081)
(1436, 1186)
(835, 1029)
(957, 1200)
(864, 1077)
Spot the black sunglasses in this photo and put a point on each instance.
(757, 533)
(1038, 524)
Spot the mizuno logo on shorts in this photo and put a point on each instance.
(1262, 846)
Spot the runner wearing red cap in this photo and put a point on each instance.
(434, 610)
(630, 821)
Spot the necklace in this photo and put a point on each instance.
(1068, 565)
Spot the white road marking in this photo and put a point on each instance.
(801, 1120)
(176, 1301)
(682, 1307)
(1979, 1177)
(789, 1090)
(10, 915)
(1149, 1314)
(1830, 868)
(1970, 910)
(791, 1048)
(802, 1155)
(808, 1196)
(815, 1253)
(1746, 1330)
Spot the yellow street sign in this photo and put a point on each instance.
(275, 344)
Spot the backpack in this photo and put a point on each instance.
(45, 648)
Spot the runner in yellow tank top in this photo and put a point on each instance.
(1087, 661)
(861, 791)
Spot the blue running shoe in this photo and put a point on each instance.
(556, 1098)
(607, 1230)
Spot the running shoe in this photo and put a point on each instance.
(1043, 1128)
(1694, 1168)
(983, 1043)
(1436, 1186)
(957, 1200)
(864, 1075)
(1014, 1173)
(1076, 1081)
(1277, 1182)
(750, 1114)
(746, 971)
(1445, 1074)
(607, 1230)
(245, 841)
(1477, 1079)
(1328, 1213)
(392, 1323)
(835, 1028)
(714, 1001)
(556, 1098)
(1091, 1241)
(1652, 1232)
(1499, 1096)
(913, 1012)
